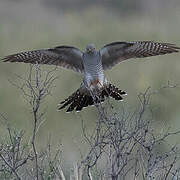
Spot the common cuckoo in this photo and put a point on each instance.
(92, 63)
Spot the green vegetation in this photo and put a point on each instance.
(100, 26)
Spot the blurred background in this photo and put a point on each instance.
(36, 24)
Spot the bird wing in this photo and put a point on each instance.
(65, 56)
(116, 52)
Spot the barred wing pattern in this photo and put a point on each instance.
(117, 52)
(65, 56)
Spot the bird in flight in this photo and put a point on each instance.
(92, 63)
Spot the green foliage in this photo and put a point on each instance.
(100, 26)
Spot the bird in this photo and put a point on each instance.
(92, 63)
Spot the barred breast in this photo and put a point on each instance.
(93, 70)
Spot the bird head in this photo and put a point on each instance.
(90, 49)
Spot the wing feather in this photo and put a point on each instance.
(117, 52)
(65, 56)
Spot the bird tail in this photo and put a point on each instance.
(82, 97)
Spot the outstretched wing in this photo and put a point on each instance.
(65, 56)
(119, 51)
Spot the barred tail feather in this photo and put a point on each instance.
(82, 98)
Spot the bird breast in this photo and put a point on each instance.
(93, 71)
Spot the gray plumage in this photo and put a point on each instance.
(93, 69)
(117, 52)
(92, 64)
(65, 56)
